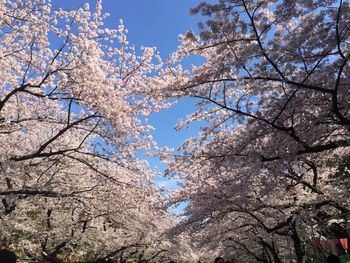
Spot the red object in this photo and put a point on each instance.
(333, 244)
(344, 243)
(324, 244)
(316, 242)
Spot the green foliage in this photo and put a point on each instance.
(33, 214)
(342, 165)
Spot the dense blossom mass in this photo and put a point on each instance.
(270, 169)
(268, 173)
(74, 102)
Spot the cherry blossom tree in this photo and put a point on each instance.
(74, 101)
(273, 103)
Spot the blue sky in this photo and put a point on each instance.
(154, 23)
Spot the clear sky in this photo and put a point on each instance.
(154, 23)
